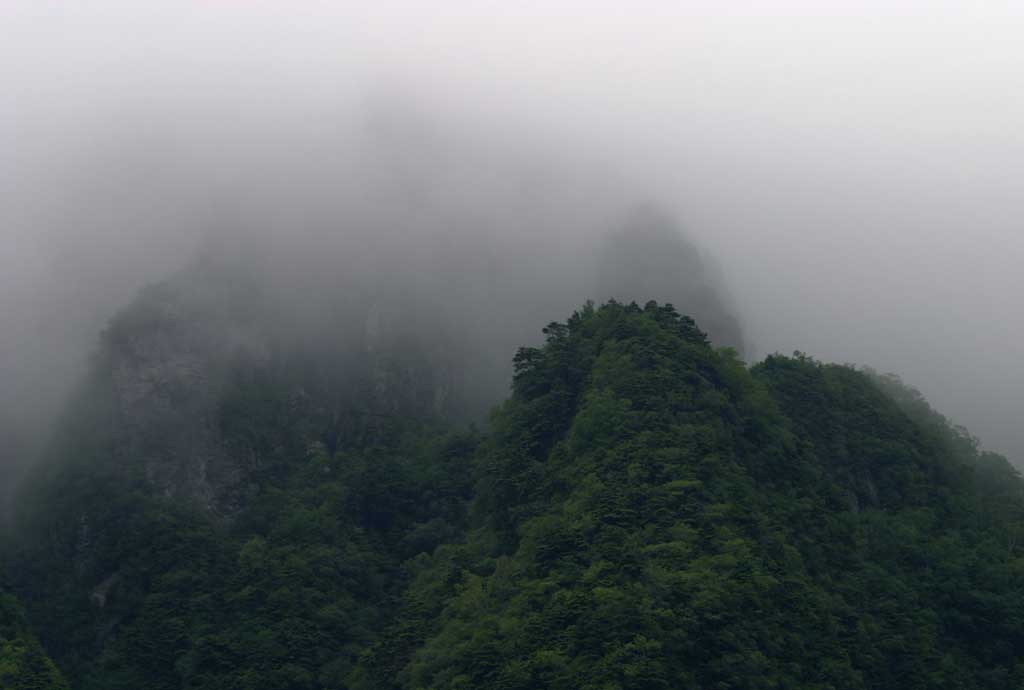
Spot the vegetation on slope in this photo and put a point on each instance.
(645, 511)
(653, 514)
(23, 663)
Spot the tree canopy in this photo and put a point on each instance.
(645, 511)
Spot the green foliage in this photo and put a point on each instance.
(645, 511)
(23, 663)
(653, 514)
(134, 589)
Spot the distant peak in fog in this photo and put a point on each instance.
(649, 258)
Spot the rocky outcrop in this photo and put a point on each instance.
(173, 363)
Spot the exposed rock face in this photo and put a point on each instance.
(166, 363)
(197, 368)
(100, 592)
(173, 361)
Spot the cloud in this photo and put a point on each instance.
(853, 170)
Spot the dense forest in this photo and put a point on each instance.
(644, 511)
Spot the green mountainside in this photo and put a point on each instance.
(645, 511)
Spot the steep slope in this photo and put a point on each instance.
(645, 511)
(652, 514)
(138, 590)
(231, 495)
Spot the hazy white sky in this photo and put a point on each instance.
(857, 167)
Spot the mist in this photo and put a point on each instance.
(849, 177)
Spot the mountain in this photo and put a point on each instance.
(648, 257)
(654, 514)
(644, 511)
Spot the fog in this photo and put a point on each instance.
(850, 175)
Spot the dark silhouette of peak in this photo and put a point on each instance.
(649, 257)
(643, 511)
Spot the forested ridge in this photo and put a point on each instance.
(645, 511)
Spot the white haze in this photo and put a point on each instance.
(856, 168)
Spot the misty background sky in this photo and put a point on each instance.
(855, 168)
